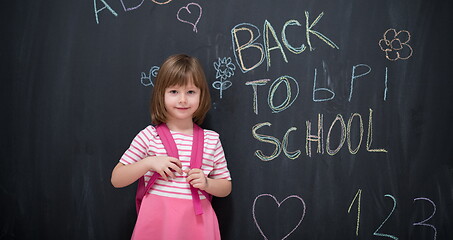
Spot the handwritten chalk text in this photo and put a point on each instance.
(291, 86)
(323, 143)
(251, 46)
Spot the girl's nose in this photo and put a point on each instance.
(183, 98)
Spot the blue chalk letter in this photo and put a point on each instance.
(96, 10)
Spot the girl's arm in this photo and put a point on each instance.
(218, 187)
(124, 175)
(215, 187)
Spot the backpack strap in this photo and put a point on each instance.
(172, 151)
(142, 189)
(195, 162)
(167, 140)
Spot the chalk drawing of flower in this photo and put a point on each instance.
(224, 70)
(395, 44)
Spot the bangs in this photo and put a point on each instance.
(180, 79)
(183, 76)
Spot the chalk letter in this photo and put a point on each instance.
(369, 138)
(268, 139)
(131, 8)
(353, 77)
(316, 33)
(161, 3)
(315, 138)
(315, 90)
(287, 103)
(96, 11)
(386, 84)
(285, 41)
(268, 27)
(343, 135)
(237, 48)
(254, 84)
(349, 133)
(290, 155)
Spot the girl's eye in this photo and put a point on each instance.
(191, 92)
(173, 91)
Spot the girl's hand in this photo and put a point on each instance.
(197, 178)
(165, 166)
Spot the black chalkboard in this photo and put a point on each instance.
(335, 116)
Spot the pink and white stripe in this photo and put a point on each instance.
(148, 143)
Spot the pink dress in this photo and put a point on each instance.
(167, 211)
(173, 218)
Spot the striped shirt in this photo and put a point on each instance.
(148, 143)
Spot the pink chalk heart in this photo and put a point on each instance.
(279, 204)
(188, 16)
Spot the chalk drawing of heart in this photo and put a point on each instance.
(186, 8)
(278, 205)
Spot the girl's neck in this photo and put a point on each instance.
(185, 127)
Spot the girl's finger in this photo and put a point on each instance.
(195, 183)
(169, 173)
(198, 184)
(176, 161)
(163, 175)
(190, 178)
(175, 167)
(194, 171)
(193, 178)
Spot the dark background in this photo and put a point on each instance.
(72, 100)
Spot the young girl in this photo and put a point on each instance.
(180, 98)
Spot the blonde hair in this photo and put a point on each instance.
(179, 70)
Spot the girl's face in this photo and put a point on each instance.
(181, 102)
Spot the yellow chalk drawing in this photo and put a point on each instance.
(250, 44)
(369, 139)
(315, 138)
(316, 33)
(161, 3)
(254, 85)
(395, 45)
(349, 133)
(343, 135)
(268, 28)
(359, 196)
(268, 139)
(245, 29)
(290, 155)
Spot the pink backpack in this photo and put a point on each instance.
(172, 151)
